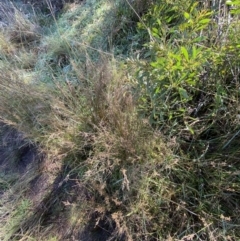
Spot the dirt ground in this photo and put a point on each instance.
(51, 190)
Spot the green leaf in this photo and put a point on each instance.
(155, 30)
(193, 7)
(157, 90)
(190, 129)
(199, 39)
(194, 52)
(185, 53)
(147, 54)
(205, 21)
(236, 3)
(229, 2)
(186, 15)
(183, 93)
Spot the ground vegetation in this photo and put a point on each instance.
(119, 120)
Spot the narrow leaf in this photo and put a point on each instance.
(194, 52)
(183, 93)
(186, 15)
(185, 53)
(205, 21)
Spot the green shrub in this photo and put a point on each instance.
(184, 80)
(189, 89)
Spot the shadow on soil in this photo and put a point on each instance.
(57, 199)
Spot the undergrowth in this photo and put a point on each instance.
(123, 126)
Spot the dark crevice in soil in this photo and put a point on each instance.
(52, 200)
(65, 192)
(17, 153)
(52, 195)
(97, 230)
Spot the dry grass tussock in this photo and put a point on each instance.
(94, 128)
(18, 26)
